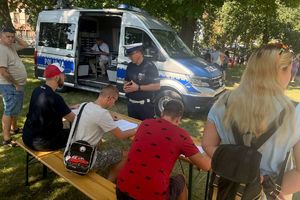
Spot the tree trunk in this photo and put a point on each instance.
(4, 14)
(187, 32)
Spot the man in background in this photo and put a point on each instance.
(101, 49)
(13, 77)
(218, 58)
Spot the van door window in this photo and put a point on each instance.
(57, 35)
(133, 35)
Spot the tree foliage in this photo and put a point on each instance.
(254, 22)
(4, 14)
(32, 8)
(222, 22)
(181, 15)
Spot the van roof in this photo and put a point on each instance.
(149, 21)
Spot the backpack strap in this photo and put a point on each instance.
(78, 118)
(238, 138)
(270, 131)
(100, 50)
(215, 187)
(75, 127)
(280, 176)
(257, 143)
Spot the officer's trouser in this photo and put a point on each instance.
(141, 111)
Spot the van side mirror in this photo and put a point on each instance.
(150, 52)
(153, 54)
(160, 57)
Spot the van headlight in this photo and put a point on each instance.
(199, 82)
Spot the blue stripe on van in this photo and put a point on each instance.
(200, 67)
(66, 64)
(121, 75)
(189, 87)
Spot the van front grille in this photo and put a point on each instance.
(216, 82)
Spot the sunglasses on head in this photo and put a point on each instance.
(282, 47)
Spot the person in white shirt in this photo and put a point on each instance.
(217, 57)
(101, 49)
(96, 120)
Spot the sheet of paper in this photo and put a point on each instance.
(125, 125)
(199, 148)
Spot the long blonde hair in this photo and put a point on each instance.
(254, 103)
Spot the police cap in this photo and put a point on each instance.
(130, 48)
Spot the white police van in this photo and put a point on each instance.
(63, 36)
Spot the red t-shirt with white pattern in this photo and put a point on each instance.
(153, 153)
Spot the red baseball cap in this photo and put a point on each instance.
(52, 70)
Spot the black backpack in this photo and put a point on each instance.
(236, 169)
(79, 155)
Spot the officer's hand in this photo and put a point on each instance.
(126, 84)
(131, 87)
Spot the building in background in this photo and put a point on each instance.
(23, 28)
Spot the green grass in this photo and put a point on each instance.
(12, 160)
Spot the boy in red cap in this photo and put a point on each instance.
(43, 128)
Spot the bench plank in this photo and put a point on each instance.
(37, 154)
(93, 185)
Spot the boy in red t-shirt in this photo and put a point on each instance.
(156, 147)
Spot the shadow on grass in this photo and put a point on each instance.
(12, 179)
(199, 178)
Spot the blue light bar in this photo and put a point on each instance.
(131, 8)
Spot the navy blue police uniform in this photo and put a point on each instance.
(140, 104)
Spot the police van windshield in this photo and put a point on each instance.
(172, 44)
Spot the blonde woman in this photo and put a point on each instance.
(252, 106)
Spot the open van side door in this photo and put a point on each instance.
(57, 32)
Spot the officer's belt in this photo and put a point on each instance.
(140, 102)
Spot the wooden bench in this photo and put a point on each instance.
(93, 185)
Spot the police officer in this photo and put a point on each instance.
(141, 80)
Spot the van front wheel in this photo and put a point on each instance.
(163, 97)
